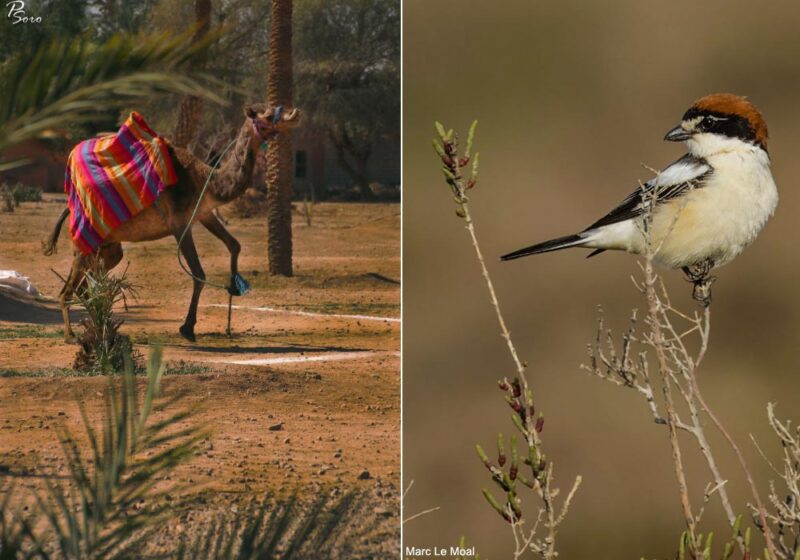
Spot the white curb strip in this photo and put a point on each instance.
(308, 313)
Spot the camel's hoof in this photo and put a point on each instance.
(188, 333)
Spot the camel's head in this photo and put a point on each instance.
(268, 122)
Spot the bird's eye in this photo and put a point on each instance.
(709, 122)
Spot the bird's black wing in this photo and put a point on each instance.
(685, 174)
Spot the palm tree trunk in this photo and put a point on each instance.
(279, 154)
(191, 110)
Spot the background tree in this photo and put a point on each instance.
(191, 110)
(115, 16)
(346, 70)
(230, 59)
(279, 154)
(348, 76)
(346, 66)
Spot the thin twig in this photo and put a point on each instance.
(420, 514)
(753, 489)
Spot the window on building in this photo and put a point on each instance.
(300, 164)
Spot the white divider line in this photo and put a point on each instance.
(307, 313)
(331, 357)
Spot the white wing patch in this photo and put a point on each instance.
(682, 171)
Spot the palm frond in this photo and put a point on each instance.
(11, 534)
(281, 530)
(67, 82)
(97, 512)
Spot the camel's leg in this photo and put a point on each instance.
(79, 265)
(111, 255)
(213, 224)
(189, 252)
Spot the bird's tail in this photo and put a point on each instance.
(547, 246)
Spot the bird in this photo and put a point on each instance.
(706, 207)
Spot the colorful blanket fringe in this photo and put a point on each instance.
(112, 178)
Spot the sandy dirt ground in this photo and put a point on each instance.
(315, 357)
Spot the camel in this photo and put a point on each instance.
(172, 212)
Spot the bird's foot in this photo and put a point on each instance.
(701, 291)
(699, 275)
(70, 338)
(187, 332)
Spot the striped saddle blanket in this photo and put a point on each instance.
(112, 178)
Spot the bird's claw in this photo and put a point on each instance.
(699, 275)
(701, 290)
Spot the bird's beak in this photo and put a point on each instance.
(677, 134)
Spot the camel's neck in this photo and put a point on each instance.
(235, 172)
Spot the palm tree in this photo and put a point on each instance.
(279, 154)
(191, 110)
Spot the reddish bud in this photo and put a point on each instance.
(501, 459)
(512, 473)
(539, 424)
(503, 385)
(470, 184)
(517, 388)
(463, 161)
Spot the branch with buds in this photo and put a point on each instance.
(531, 469)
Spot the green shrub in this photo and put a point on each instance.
(7, 197)
(26, 193)
(103, 348)
(12, 197)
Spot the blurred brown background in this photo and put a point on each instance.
(572, 97)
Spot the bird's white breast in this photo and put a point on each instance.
(720, 218)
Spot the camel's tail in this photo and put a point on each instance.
(49, 245)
